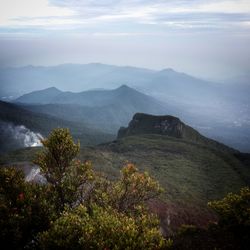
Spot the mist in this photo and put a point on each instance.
(17, 136)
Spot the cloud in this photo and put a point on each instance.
(132, 14)
(15, 13)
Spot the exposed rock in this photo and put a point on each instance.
(166, 125)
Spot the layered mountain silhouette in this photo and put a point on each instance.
(220, 111)
(41, 96)
(107, 110)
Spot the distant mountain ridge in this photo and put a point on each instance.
(78, 77)
(104, 109)
(122, 94)
(40, 96)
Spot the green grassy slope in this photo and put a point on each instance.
(190, 172)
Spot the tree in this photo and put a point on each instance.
(100, 213)
(104, 228)
(133, 189)
(67, 177)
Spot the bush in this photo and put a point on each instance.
(102, 228)
(23, 209)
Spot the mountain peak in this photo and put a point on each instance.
(153, 124)
(124, 86)
(40, 96)
(52, 89)
(166, 125)
(168, 70)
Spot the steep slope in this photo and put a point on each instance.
(43, 124)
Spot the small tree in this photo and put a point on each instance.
(67, 177)
(134, 189)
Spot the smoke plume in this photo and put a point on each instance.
(17, 136)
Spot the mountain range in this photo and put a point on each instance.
(79, 77)
(218, 110)
(106, 110)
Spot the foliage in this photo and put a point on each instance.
(234, 218)
(234, 209)
(67, 177)
(103, 228)
(231, 232)
(133, 189)
(97, 212)
(23, 209)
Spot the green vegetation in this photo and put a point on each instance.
(102, 229)
(192, 173)
(24, 210)
(230, 232)
(78, 208)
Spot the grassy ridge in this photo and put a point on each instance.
(188, 171)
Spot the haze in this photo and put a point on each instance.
(209, 39)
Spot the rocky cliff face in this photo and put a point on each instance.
(166, 125)
(151, 124)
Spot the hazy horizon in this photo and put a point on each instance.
(208, 40)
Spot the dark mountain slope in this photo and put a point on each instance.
(41, 123)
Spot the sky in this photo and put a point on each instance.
(206, 38)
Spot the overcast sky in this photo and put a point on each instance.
(202, 37)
